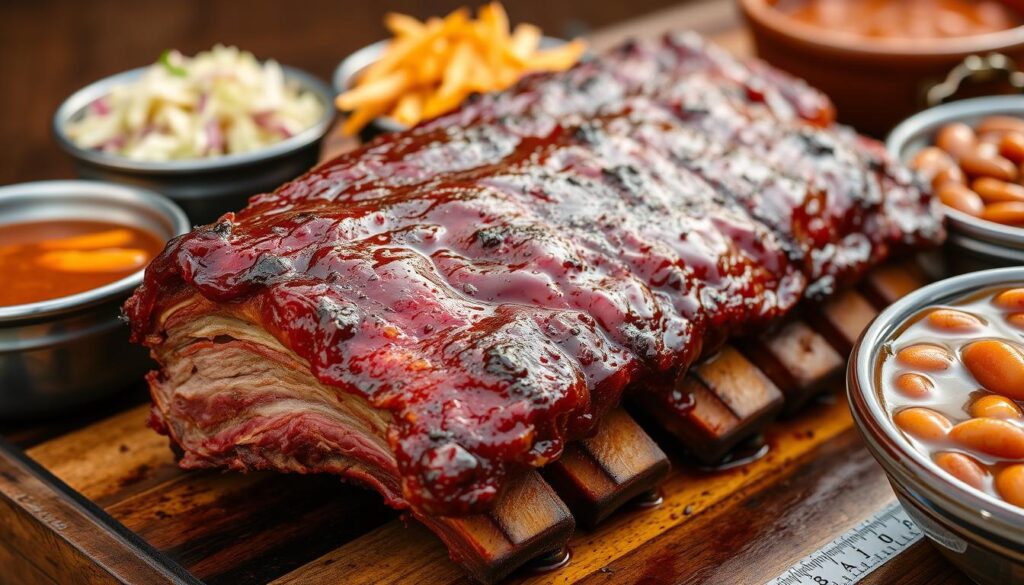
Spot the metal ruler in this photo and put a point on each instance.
(852, 556)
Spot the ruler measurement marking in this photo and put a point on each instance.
(844, 560)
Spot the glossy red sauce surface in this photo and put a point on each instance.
(497, 277)
(905, 19)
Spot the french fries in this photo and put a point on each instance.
(430, 67)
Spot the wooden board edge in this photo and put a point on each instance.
(66, 536)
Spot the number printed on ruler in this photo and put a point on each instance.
(852, 556)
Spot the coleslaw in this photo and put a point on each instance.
(222, 101)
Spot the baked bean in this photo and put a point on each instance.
(956, 139)
(993, 137)
(925, 356)
(954, 320)
(987, 149)
(953, 381)
(962, 467)
(960, 197)
(949, 175)
(982, 162)
(914, 385)
(991, 436)
(993, 190)
(995, 406)
(922, 423)
(1016, 319)
(996, 365)
(1011, 146)
(931, 157)
(1000, 124)
(1006, 212)
(1011, 299)
(930, 160)
(1010, 484)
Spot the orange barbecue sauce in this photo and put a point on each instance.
(50, 259)
(905, 19)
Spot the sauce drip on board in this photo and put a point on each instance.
(953, 382)
(905, 19)
(50, 259)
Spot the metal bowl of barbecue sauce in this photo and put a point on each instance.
(973, 243)
(979, 532)
(72, 252)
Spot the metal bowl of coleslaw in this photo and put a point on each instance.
(204, 186)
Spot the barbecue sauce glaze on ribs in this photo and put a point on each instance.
(449, 305)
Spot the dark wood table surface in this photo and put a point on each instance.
(49, 48)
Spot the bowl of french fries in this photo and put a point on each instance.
(430, 67)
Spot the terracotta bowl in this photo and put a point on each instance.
(874, 83)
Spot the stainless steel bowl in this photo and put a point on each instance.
(345, 75)
(982, 535)
(973, 244)
(59, 353)
(204, 187)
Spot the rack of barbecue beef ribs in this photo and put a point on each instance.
(466, 316)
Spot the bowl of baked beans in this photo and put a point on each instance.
(936, 387)
(971, 152)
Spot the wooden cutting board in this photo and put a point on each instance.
(107, 503)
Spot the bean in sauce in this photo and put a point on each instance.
(904, 19)
(953, 382)
(978, 171)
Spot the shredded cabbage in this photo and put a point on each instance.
(222, 101)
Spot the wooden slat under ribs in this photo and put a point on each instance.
(797, 359)
(528, 521)
(842, 318)
(887, 284)
(734, 395)
(598, 475)
(731, 400)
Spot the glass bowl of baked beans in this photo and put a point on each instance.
(971, 152)
(936, 387)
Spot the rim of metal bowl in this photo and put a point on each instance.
(350, 66)
(115, 193)
(909, 466)
(925, 123)
(78, 101)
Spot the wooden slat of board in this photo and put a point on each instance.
(842, 318)
(396, 554)
(730, 400)
(19, 569)
(886, 284)
(112, 459)
(797, 359)
(598, 475)
(231, 528)
(528, 521)
(49, 530)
